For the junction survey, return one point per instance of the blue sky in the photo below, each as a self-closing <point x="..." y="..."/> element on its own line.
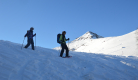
<point x="49" y="17"/>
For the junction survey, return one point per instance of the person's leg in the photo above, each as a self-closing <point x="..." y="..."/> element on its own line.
<point x="32" y="43"/>
<point x="67" y="50"/>
<point x="28" y="43"/>
<point x="62" y="51"/>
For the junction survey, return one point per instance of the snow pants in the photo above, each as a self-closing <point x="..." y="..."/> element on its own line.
<point x="64" y="46"/>
<point x="30" y="41"/>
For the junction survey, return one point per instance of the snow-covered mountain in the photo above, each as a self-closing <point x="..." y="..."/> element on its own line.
<point x="89" y="35"/>
<point x="125" y="45"/>
<point x="45" y="64"/>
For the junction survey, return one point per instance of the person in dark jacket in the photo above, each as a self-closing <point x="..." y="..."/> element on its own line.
<point x="63" y="40"/>
<point x="30" y="36"/>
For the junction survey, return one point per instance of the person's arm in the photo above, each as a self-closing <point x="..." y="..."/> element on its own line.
<point x="26" y="34"/>
<point x="66" y="39"/>
<point x="34" y="35"/>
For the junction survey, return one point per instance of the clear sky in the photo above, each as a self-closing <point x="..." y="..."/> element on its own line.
<point x="49" y="17"/>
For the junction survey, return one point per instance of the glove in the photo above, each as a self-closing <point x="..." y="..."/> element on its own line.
<point x="35" y="34"/>
<point x="68" y="39"/>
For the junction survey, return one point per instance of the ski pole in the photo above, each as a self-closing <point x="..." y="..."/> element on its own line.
<point x="35" y="42"/>
<point x="68" y="46"/>
<point x="22" y="43"/>
<point x="68" y="43"/>
<point x="59" y="51"/>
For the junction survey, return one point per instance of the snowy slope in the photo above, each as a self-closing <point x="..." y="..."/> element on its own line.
<point x="125" y="45"/>
<point x="44" y="64"/>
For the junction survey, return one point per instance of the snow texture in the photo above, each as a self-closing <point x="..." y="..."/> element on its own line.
<point x="45" y="64"/>
<point x="137" y="38"/>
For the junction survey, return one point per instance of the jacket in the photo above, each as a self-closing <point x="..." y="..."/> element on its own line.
<point x="62" y="39"/>
<point x="29" y="34"/>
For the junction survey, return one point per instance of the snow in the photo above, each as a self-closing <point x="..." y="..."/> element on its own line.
<point x="125" y="45"/>
<point x="45" y="64"/>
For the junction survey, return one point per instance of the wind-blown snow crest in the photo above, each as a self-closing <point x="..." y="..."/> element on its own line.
<point x="45" y="64"/>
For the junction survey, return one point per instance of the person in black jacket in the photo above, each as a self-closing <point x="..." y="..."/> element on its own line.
<point x="63" y="40"/>
<point x="30" y="36"/>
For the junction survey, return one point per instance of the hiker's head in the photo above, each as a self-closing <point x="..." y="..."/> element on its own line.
<point x="32" y="28"/>
<point x="64" y="32"/>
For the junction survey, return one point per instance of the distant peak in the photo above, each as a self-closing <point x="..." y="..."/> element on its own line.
<point x="89" y="32"/>
<point x="89" y="35"/>
<point x="93" y="35"/>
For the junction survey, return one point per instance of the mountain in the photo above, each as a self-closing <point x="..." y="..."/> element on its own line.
<point x="89" y="35"/>
<point x="125" y="45"/>
<point x="45" y="64"/>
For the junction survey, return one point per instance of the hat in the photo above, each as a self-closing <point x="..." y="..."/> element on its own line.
<point x="31" y="28"/>
<point x="63" y="32"/>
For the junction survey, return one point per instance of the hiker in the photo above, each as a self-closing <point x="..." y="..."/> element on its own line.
<point x="30" y="36"/>
<point x="62" y="41"/>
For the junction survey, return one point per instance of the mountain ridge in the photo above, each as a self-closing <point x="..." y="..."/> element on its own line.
<point x="109" y="45"/>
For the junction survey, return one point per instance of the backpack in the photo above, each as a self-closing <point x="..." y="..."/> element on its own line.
<point x="58" y="37"/>
<point x="29" y="34"/>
